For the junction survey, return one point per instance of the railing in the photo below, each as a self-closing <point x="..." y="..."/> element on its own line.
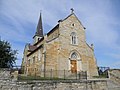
<point x="53" y="75"/>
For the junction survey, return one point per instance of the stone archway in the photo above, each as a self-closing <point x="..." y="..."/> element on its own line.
<point x="73" y="62"/>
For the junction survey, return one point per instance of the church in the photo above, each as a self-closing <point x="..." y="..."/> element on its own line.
<point x="62" y="48"/>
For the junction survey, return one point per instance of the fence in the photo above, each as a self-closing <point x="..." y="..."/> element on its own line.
<point x="53" y="75"/>
<point x="37" y="74"/>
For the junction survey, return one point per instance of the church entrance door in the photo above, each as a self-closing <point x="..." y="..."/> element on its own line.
<point x="73" y="66"/>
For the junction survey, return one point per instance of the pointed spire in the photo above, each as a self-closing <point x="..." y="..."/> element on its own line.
<point x="39" y="31"/>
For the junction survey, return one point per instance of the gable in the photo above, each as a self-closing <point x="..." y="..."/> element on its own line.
<point x="72" y="18"/>
<point x="70" y="25"/>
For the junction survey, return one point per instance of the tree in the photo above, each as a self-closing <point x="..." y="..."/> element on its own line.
<point x="7" y="55"/>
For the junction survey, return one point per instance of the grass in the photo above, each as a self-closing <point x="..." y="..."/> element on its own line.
<point x="37" y="78"/>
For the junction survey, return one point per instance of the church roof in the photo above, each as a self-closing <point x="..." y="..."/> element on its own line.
<point x="31" y="47"/>
<point x="39" y="41"/>
<point x="34" y="49"/>
<point x="57" y="26"/>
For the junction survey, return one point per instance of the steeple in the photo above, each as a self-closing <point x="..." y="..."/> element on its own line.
<point x="39" y="30"/>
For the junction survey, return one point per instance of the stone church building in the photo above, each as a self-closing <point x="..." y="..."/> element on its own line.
<point x="62" y="48"/>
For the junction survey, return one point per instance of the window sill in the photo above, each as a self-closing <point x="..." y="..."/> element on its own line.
<point x="74" y="44"/>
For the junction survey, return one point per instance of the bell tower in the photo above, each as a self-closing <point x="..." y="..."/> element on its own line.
<point x="39" y="31"/>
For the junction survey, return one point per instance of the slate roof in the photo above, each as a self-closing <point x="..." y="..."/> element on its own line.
<point x="31" y="48"/>
<point x="39" y="30"/>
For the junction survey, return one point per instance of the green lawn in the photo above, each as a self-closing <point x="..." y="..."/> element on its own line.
<point x="37" y="78"/>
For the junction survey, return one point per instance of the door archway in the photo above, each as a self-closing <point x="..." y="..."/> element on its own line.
<point x="73" y="61"/>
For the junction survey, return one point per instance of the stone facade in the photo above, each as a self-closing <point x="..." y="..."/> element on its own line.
<point x="62" y="48"/>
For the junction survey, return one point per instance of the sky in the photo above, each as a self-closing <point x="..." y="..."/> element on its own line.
<point x="19" y="18"/>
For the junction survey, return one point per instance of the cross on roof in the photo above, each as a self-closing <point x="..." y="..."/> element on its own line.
<point x="72" y="10"/>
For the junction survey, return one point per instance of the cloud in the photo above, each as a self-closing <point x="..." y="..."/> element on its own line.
<point x="114" y="55"/>
<point x="18" y="21"/>
<point x="116" y="64"/>
<point x="98" y="20"/>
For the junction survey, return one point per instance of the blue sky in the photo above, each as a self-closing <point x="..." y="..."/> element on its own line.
<point x="19" y="18"/>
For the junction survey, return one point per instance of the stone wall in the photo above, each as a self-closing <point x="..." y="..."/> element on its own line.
<point x="8" y="83"/>
<point x="116" y="72"/>
<point x="4" y="74"/>
<point x="54" y="85"/>
<point x="114" y="75"/>
<point x="58" y="85"/>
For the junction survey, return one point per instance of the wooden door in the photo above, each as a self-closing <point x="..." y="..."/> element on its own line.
<point x="73" y="66"/>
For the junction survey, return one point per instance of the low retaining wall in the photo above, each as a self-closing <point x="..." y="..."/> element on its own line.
<point x="9" y="83"/>
<point x="55" y="85"/>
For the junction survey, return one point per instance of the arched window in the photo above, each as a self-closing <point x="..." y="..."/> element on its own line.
<point x="73" y="38"/>
<point x="74" y="55"/>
